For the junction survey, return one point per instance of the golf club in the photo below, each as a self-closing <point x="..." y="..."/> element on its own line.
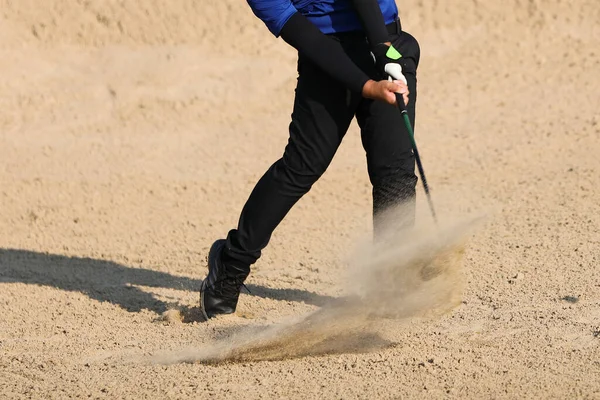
<point x="395" y="71"/>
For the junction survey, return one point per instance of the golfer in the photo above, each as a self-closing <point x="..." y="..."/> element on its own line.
<point x="343" y="46"/>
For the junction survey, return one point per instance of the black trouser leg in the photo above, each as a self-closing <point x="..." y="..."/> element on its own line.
<point x="323" y="110"/>
<point x="321" y="116"/>
<point x="390" y="159"/>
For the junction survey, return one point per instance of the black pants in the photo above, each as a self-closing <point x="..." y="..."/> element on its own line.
<point x="323" y="111"/>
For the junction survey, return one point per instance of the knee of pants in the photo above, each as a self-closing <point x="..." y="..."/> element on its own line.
<point x="395" y="188"/>
<point x="298" y="174"/>
<point x="397" y="172"/>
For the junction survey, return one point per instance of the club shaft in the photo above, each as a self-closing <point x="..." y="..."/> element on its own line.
<point x="411" y="135"/>
<point x="419" y="165"/>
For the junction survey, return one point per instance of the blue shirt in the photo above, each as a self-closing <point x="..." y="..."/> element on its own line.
<point x="330" y="16"/>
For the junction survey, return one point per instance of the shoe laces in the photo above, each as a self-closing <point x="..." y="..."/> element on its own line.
<point x="229" y="286"/>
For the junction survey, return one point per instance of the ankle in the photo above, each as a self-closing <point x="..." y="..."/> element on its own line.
<point x="234" y="267"/>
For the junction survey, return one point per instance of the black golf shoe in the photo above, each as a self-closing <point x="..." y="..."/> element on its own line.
<point x="220" y="289"/>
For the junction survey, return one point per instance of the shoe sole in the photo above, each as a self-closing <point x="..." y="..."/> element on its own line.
<point x="202" y="288"/>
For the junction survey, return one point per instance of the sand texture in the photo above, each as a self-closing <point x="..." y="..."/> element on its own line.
<point x="131" y="133"/>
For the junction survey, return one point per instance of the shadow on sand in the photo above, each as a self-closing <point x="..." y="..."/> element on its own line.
<point x="115" y="283"/>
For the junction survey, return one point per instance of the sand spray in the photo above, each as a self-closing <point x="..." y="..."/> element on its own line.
<point x="403" y="274"/>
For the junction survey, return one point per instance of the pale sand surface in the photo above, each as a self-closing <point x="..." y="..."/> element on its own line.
<point x="131" y="135"/>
